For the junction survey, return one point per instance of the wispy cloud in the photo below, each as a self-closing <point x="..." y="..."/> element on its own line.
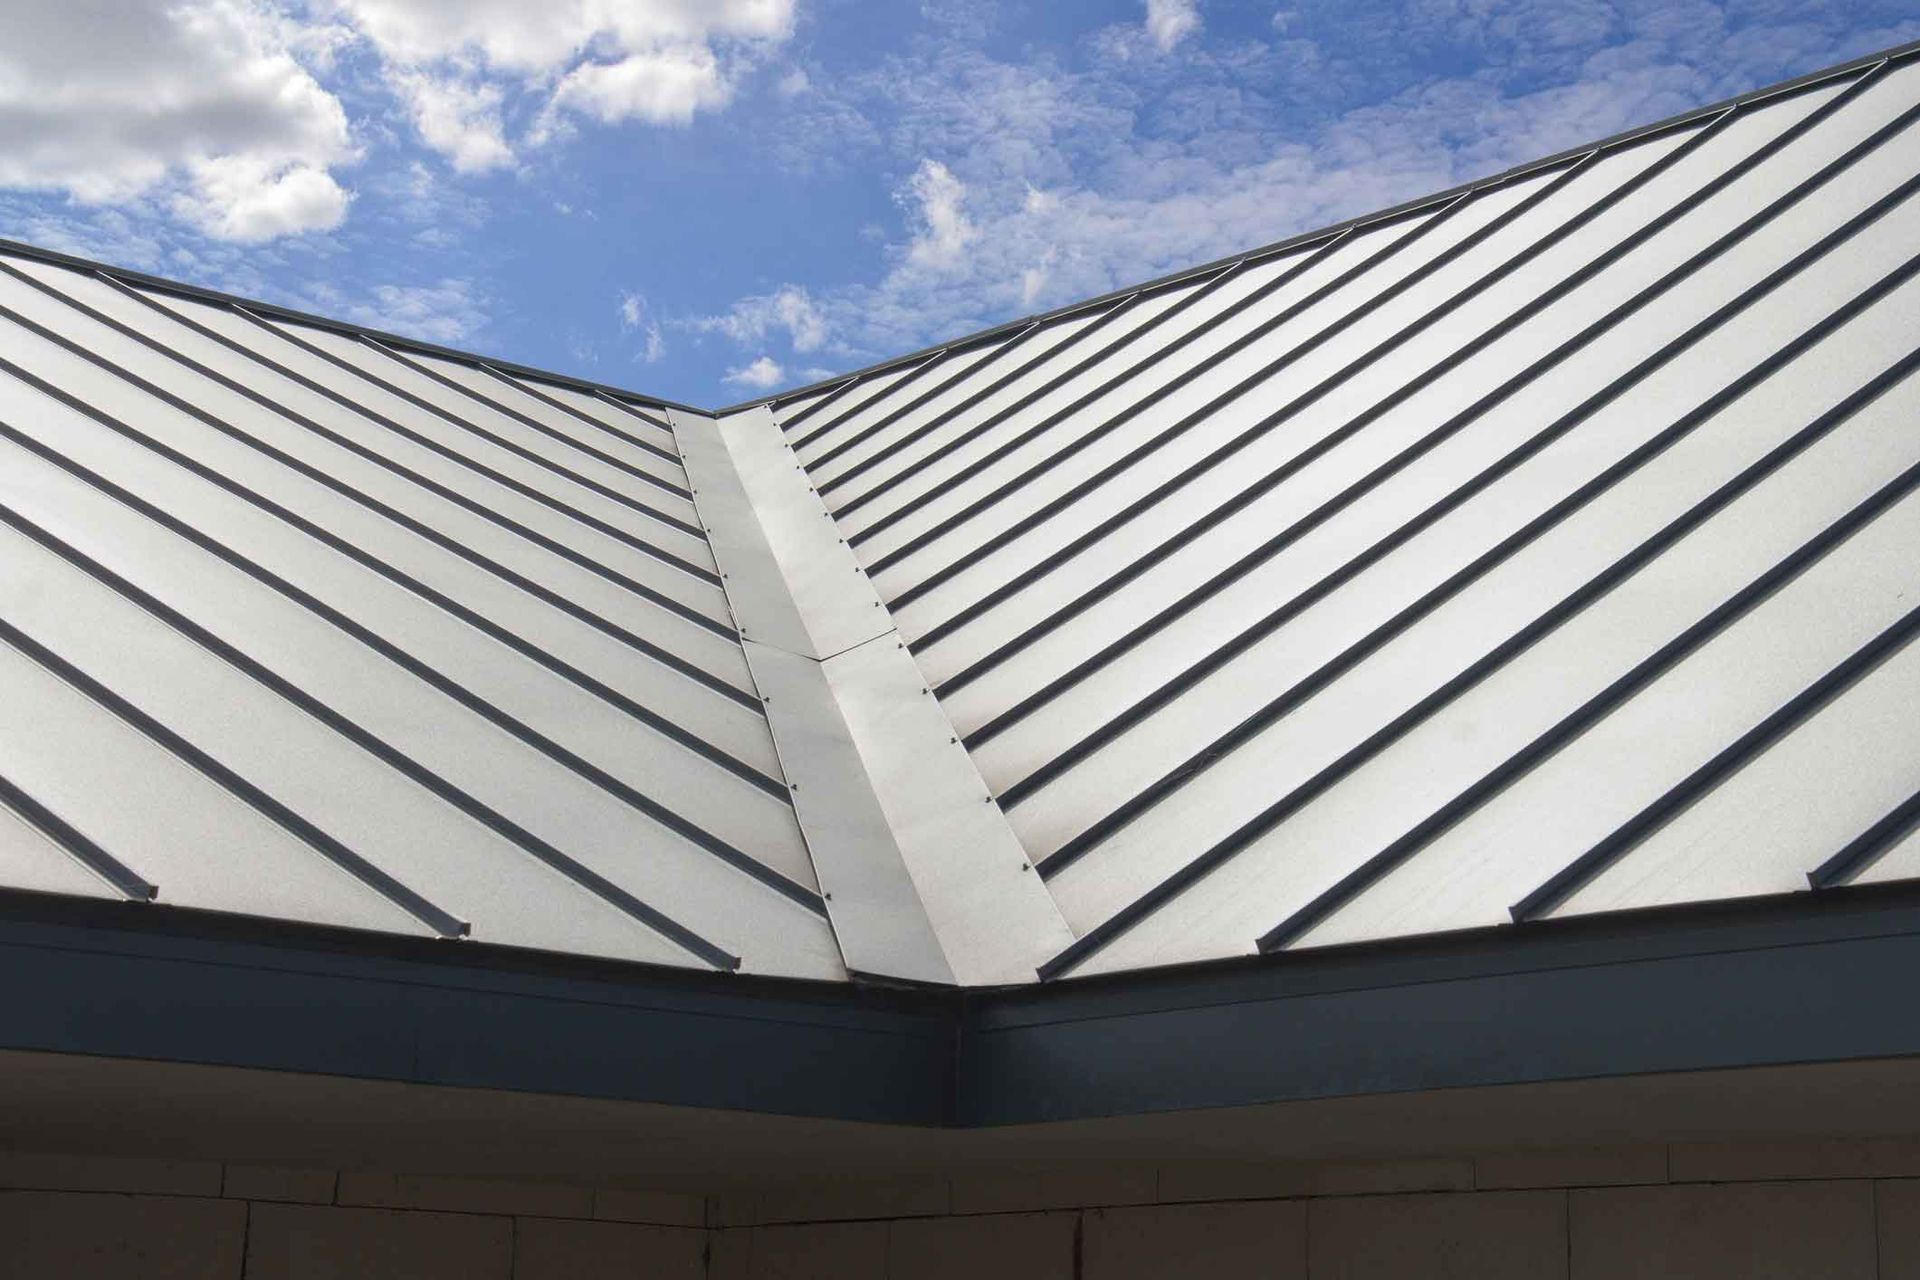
<point x="447" y="311"/>
<point x="636" y="317"/>
<point x="750" y="321"/>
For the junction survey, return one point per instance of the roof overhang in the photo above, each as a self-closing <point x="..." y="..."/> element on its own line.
<point x="1764" y="984"/>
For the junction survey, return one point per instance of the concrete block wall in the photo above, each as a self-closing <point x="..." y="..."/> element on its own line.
<point x="1845" y="1209"/>
<point x="93" y="1218"/>
<point x="1840" y="1208"/>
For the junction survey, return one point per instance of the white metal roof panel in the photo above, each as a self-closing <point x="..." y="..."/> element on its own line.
<point x="1538" y="550"/>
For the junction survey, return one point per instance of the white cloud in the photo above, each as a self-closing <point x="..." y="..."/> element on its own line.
<point x="458" y="118"/>
<point x="1171" y="21"/>
<point x="794" y="83"/>
<point x="201" y="102"/>
<point x="250" y="198"/>
<point x="664" y="86"/>
<point x="763" y="373"/>
<point x="458" y="63"/>
<point x="637" y="317"/>
<point x="789" y="309"/>
<point x="937" y="200"/>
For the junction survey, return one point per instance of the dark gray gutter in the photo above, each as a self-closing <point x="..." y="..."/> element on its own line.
<point x="1799" y="978"/>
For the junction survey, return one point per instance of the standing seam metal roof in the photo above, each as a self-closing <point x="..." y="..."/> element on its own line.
<point x="1540" y="549"/>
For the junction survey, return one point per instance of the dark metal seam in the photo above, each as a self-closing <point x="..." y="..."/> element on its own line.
<point x="199" y="293"/>
<point x="1028" y="435"/>
<point x="387" y="754"/>
<point x="1027" y="577"/>
<point x="1340" y="376"/>
<point x="940" y="358"/>
<point x="1626" y="686"/>
<point x="560" y="406"/>
<point x="383" y="884"/>
<point x="648" y="418"/>
<point x="1521" y="640"/>
<point x="900" y="384"/>
<point x="892" y="416"/>
<point x="1866" y="848"/>
<point x="1195" y="294"/>
<point x="1482" y="564"/>
<point x="821" y="403"/>
<point x="908" y="374"/>
<point x="947" y="415"/>
<point x="427" y="674"/>
<point x="1186" y="275"/>
<point x="492" y="473"/>
<point x="626" y="637"/>
<point x="1327" y="509"/>
<point x="1110" y="424"/>
<point x="625" y="398"/>
<point x="561" y="438"/>
<point x="1784" y="719"/>
<point x="76" y="843"/>
<point x="554" y="546"/>
<point x="1167" y="488"/>
<point x="653" y="719"/>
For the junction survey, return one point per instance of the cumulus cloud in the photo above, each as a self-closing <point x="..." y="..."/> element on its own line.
<point x="763" y="373"/>
<point x="636" y="317"/>
<point x="1171" y="21"/>
<point x="750" y="321"/>
<point x="202" y="103"/>
<point x="456" y="62"/>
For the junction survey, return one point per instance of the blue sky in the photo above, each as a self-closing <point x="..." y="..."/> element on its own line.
<point x="711" y="199"/>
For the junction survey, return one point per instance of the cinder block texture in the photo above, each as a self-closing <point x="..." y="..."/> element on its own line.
<point x="86" y="1236"/>
<point x="1803" y="1159"/>
<point x="1242" y="1181"/>
<point x="33" y="1171"/>
<point x="1759" y="1231"/>
<point x="1013" y="1246"/>
<point x="1252" y="1238"/>
<point x="548" y="1249"/>
<point x="267" y="1182"/>
<point x="1058" y="1187"/>
<point x="834" y="1199"/>
<point x="1570" y="1167"/>
<point x="465" y="1195"/>
<point x="313" y="1242"/>
<point x="661" y="1208"/>
<point x="1897" y="1212"/>
<point x="827" y="1251"/>
<point x="1485" y="1235"/>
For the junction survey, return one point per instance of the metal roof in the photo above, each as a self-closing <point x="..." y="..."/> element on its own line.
<point x="1536" y="550"/>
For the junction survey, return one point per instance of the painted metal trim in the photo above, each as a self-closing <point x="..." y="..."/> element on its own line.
<point x="877" y="912"/>
<point x="795" y="584"/>
<point x="995" y="918"/>
<point x="1674" y="989"/>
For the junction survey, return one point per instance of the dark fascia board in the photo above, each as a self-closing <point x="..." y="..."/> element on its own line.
<point x="1640" y="133"/>
<point x="1799" y="978"/>
<point x="198" y="293"/>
